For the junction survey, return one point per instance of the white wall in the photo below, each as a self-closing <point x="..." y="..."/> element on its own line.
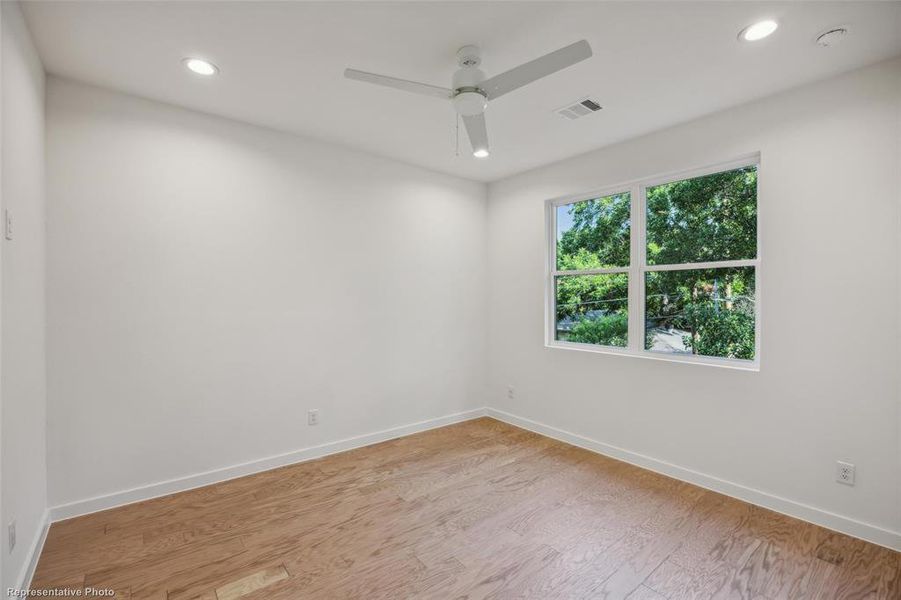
<point x="23" y="390"/>
<point x="828" y="387"/>
<point x="210" y="281"/>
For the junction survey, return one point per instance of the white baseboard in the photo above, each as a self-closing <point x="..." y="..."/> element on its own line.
<point x="34" y="553"/>
<point x="181" y="484"/>
<point x="852" y="527"/>
<point x="859" y="529"/>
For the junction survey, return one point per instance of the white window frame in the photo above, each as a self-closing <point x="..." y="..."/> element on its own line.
<point x="638" y="268"/>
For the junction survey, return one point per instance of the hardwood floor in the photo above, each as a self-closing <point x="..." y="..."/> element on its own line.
<point x="475" y="510"/>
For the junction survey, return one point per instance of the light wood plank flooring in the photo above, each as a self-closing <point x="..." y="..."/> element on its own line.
<point x="475" y="510"/>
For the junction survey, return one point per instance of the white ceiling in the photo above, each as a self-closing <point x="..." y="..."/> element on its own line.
<point x="654" y="65"/>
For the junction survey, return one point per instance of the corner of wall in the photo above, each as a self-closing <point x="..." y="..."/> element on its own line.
<point x="23" y="488"/>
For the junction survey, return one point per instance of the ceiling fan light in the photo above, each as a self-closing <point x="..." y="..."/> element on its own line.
<point x="470" y="102"/>
<point x="481" y="153"/>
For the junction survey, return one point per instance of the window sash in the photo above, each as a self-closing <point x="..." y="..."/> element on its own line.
<point x="638" y="268"/>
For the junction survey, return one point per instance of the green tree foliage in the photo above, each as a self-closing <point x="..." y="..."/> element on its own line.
<point x="703" y="219"/>
<point x="608" y="330"/>
<point x="598" y="238"/>
<point x="708" y="218"/>
<point x="715" y="307"/>
<point x="600" y="228"/>
<point x="717" y="332"/>
<point x="580" y="294"/>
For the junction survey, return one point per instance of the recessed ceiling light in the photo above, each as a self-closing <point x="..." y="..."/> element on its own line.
<point x="481" y="153"/>
<point x="758" y="30"/>
<point x="200" y="66"/>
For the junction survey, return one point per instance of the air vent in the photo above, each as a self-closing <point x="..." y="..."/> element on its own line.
<point x="583" y="107"/>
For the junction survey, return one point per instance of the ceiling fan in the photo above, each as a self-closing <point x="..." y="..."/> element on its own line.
<point x="471" y="91"/>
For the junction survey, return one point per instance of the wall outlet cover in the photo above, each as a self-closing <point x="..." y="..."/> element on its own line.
<point x="844" y="472"/>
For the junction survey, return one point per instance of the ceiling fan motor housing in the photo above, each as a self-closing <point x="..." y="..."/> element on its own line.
<point x="469" y="102"/>
<point x="469" y="99"/>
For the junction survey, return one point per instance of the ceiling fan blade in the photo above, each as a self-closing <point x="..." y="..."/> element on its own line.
<point x="536" y="69"/>
<point x="400" y="84"/>
<point x="477" y="132"/>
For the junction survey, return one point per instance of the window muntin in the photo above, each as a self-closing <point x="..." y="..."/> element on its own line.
<point x="689" y="288"/>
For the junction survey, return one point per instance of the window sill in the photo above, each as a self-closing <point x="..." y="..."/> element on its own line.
<point x="709" y="361"/>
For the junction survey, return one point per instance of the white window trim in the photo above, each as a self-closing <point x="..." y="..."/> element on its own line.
<point x="638" y="268"/>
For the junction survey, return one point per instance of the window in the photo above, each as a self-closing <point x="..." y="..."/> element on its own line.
<point x="660" y="268"/>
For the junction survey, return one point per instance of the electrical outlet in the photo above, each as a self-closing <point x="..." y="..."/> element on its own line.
<point x="11" y="532"/>
<point x="511" y="392"/>
<point x="313" y="417"/>
<point x="844" y="472"/>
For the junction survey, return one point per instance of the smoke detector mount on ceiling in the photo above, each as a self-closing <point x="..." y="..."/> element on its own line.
<point x="832" y="37"/>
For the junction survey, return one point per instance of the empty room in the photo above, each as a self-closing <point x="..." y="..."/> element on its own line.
<point x="450" y="300"/>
